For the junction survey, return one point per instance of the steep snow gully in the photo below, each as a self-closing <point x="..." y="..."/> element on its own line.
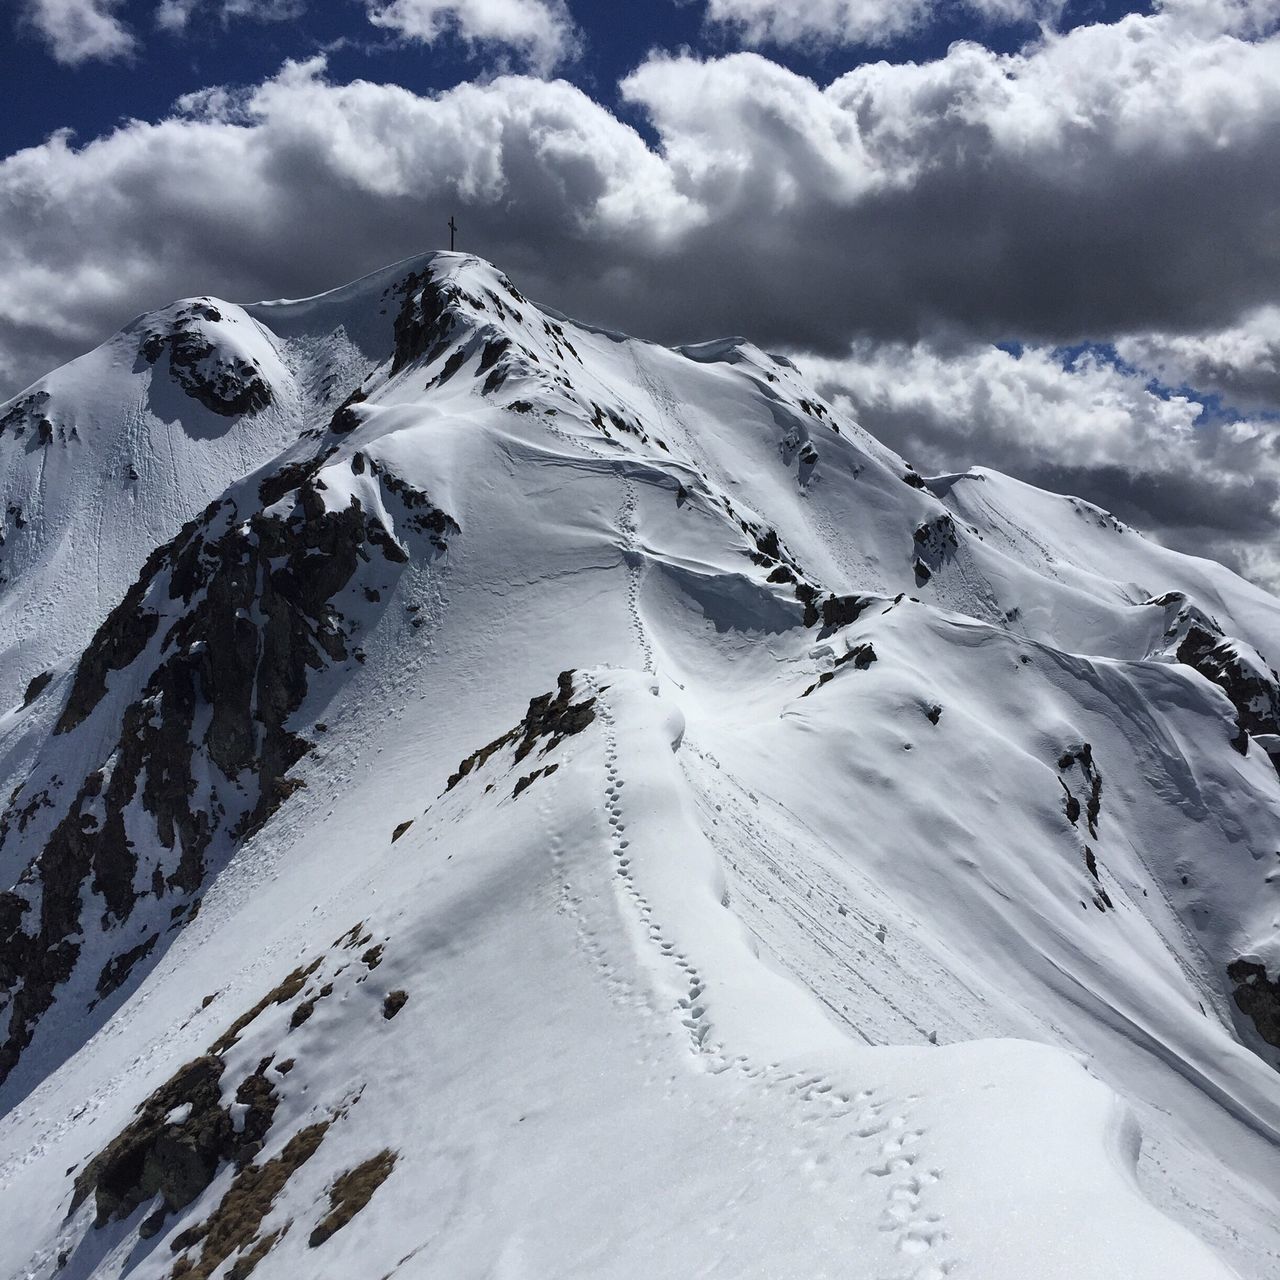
<point x="489" y="797"/>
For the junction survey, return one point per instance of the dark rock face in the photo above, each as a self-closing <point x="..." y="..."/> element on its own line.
<point x="307" y="1007"/>
<point x="117" y="643"/>
<point x="1090" y="810"/>
<point x="345" y="418"/>
<point x="28" y="412"/>
<point x="220" y="380"/>
<point x="832" y="611"/>
<point x="180" y="1139"/>
<point x="493" y="351"/>
<point x="198" y="1122"/>
<point x="424" y="322"/>
<point x="1101" y="898"/>
<point x="15" y="946"/>
<point x="842" y="611"/>
<point x="1092" y="776"/>
<point x="37" y="685"/>
<point x="1257" y="997"/>
<point x="771" y="554"/>
<point x="934" y="540"/>
<point x="1256" y="697"/>
<point x="281" y="993"/>
<point x="291" y="476"/>
<point x="767" y="546"/>
<point x="425" y="517"/>
<point x="250" y="618"/>
<point x="524" y="783"/>
<point x="233" y="1227"/>
<point x="860" y="656"/>
<point x="116" y="971"/>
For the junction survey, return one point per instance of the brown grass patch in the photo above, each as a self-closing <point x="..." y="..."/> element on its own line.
<point x="350" y="1193"/>
<point x="233" y="1225"/>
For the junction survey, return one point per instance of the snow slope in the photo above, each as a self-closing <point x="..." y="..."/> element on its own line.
<point x="106" y="458"/>
<point x="569" y="807"/>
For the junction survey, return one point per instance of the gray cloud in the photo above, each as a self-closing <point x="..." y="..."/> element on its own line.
<point x="1118" y="179"/>
<point x="1115" y="179"/>
<point x="1240" y="363"/>
<point x="1183" y="507"/>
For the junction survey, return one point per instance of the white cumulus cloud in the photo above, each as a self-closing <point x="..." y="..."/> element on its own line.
<point x="77" y="31"/>
<point x="1247" y="18"/>
<point x="1114" y="180"/>
<point x="540" y="32"/>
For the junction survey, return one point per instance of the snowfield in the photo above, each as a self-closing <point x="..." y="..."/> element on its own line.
<point x="490" y="797"/>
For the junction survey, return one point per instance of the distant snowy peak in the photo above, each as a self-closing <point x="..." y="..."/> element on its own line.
<point x="104" y="459"/>
<point x="215" y="354"/>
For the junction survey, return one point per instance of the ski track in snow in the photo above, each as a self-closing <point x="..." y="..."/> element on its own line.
<point x="1018" y="538"/>
<point x="767" y="872"/>
<point x="664" y="402"/>
<point x="778" y="868"/>
<point x="916" y="1232"/>
<point x="972" y="594"/>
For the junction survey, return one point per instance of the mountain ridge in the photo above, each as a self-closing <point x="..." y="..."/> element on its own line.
<point x="688" y="561"/>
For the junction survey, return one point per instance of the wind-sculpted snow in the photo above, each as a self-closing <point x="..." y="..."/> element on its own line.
<point x="768" y="860"/>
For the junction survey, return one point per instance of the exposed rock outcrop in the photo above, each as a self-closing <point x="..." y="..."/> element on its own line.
<point x="1257" y="996"/>
<point x="251" y="614"/>
<point x="550" y="719"/>
<point x="228" y="383"/>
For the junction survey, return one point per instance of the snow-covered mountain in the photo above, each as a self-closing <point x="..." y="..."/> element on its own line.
<point x="490" y="797"/>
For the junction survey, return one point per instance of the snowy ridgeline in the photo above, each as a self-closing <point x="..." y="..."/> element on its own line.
<point x="489" y="797"/>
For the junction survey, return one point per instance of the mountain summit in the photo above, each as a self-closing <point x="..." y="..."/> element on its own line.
<point x="485" y="796"/>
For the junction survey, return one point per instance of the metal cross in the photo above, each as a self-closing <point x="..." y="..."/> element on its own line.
<point x="453" y="231"/>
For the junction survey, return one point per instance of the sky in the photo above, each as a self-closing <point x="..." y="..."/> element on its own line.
<point x="1036" y="235"/>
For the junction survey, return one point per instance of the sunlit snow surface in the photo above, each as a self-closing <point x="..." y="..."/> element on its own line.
<point x="774" y="975"/>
